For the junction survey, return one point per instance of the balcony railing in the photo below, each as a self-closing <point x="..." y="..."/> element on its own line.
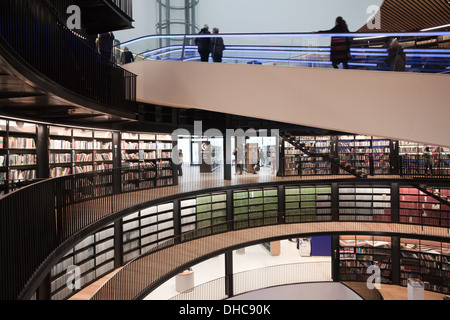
<point x="36" y="36"/>
<point x="425" y="51"/>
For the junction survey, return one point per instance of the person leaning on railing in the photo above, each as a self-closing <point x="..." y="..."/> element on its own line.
<point x="340" y="46"/>
<point x="217" y="46"/>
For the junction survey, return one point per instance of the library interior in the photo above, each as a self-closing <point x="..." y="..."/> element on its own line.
<point x="301" y="183"/>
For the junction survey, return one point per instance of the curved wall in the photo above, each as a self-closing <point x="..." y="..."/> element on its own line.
<point x="404" y="106"/>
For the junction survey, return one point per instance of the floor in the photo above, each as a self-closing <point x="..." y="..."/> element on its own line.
<point x="253" y="257"/>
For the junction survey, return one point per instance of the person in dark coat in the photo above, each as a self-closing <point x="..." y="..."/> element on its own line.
<point x="396" y="57"/>
<point x="105" y="44"/>
<point x="217" y="47"/>
<point x="127" y="56"/>
<point x="203" y="44"/>
<point x="340" y="46"/>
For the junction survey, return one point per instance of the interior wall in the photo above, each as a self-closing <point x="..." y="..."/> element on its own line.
<point x="400" y="105"/>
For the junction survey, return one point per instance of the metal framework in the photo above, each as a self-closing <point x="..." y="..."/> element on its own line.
<point x="170" y="15"/>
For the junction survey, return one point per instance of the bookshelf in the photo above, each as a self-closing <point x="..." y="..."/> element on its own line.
<point x="420" y="208"/>
<point x="165" y="170"/>
<point x="413" y="158"/>
<point x="255" y="207"/>
<point x="74" y="151"/>
<point x="358" y="252"/>
<point x="146" y="229"/>
<point x="208" y="212"/>
<point x="364" y="203"/>
<point x="426" y="260"/>
<point x="3" y="157"/>
<point x="297" y="163"/>
<point x="148" y="158"/>
<point x="94" y="256"/>
<point x="308" y="203"/>
<point x="21" y="153"/>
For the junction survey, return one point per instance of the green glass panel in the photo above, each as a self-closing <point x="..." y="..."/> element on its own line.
<point x="202" y="200"/>
<point x="219" y="213"/>
<point x="311" y="197"/>
<point x="219" y="205"/>
<point x="204" y="216"/>
<point x="256" y="201"/>
<point x="240" y="195"/>
<point x="308" y="190"/>
<point x="292" y="205"/>
<point x="204" y="207"/>
<point x="241" y="210"/>
<point x="289" y="191"/>
<point x="219" y="197"/>
<point x="272" y="206"/>
<point x="238" y="203"/>
<point x="272" y="192"/>
<point x="271" y="200"/>
<point x="323" y="190"/>
<point x="255" y="208"/>
<point x="203" y="224"/>
<point x="292" y="198"/>
<point x="255" y="194"/>
<point x="308" y="204"/>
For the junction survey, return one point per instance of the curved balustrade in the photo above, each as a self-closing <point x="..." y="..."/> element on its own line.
<point x="35" y="40"/>
<point x="59" y="213"/>
<point x="425" y="51"/>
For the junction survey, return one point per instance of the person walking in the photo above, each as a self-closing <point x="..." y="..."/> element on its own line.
<point x="340" y="46"/>
<point x="127" y="56"/>
<point x="105" y="44"/>
<point x="203" y="44"/>
<point x="217" y="46"/>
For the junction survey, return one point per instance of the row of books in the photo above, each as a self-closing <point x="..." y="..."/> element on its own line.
<point x="21" y="159"/>
<point x="57" y="158"/>
<point x="22" y="175"/>
<point x="79" y="145"/>
<point x="21" y="143"/>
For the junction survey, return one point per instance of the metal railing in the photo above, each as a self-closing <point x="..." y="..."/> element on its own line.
<point x="261" y="278"/>
<point x="55" y="212"/>
<point x="32" y="32"/>
<point x="368" y="51"/>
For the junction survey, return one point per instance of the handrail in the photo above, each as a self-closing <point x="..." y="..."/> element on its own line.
<point x="295" y="49"/>
<point x="147" y="272"/>
<point x="74" y="65"/>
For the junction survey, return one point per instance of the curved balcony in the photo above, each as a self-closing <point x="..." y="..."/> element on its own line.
<point x="64" y="76"/>
<point x="65" y="212"/>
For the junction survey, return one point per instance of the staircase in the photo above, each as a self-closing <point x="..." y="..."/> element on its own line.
<point x="347" y="167"/>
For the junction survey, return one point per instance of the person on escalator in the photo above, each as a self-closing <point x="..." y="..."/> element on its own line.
<point x="340" y="46"/>
<point x="203" y="44"/>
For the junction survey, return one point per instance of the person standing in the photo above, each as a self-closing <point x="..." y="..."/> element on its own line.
<point x="340" y="46"/>
<point x="428" y="161"/>
<point x="105" y="44"/>
<point x="203" y="44"/>
<point x="180" y="163"/>
<point x="396" y="57"/>
<point x="127" y="56"/>
<point x="217" y="46"/>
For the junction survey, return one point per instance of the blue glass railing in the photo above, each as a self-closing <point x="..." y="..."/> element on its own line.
<point x="424" y="51"/>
